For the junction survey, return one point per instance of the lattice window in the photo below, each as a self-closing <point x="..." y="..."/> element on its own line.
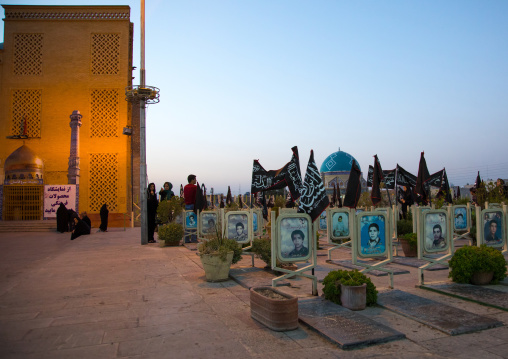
<point x="104" y="109"/>
<point x="103" y="181"/>
<point x="28" y="54"/>
<point x="105" y="54"/>
<point x="26" y="113"/>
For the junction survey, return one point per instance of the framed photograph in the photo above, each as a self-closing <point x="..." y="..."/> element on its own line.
<point x="190" y="220"/>
<point x="294" y="234"/>
<point x="492" y="227"/>
<point x="257" y="221"/>
<point x="339" y="224"/>
<point x="209" y="221"/>
<point x="322" y="221"/>
<point x="372" y="234"/>
<point x="460" y="218"/>
<point x="237" y="226"/>
<point x="435" y="230"/>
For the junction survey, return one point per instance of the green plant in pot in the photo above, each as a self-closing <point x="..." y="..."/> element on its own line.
<point x="467" y="262"/>
<point x="170" y="234"/>
<point x="336" y="280"/>
<point x="217" y="253"/>
<point x="409" y="244"/>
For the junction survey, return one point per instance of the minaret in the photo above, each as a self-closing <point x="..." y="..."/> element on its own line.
<point x="73" y="171"/>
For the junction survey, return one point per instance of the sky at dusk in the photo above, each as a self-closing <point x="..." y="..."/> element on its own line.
<point x="243" y="80"/>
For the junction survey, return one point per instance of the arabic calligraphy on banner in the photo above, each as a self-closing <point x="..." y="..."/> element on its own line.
<point x="56" y="194"/>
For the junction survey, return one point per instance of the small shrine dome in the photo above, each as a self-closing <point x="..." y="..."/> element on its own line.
<point x="339" y="161"/>
<point x="23" y="163"/>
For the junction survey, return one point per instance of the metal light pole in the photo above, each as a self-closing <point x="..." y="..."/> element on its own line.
<point x="145" y="95"/>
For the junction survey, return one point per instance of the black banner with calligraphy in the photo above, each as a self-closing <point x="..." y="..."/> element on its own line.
<point x="313" y="200"/>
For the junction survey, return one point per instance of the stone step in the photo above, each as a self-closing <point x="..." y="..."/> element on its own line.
<point x="28" y="226"/>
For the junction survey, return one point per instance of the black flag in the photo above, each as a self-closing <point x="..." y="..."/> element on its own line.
<point x="389" y="178"/>
<point x="404" y="178"/>
<point x="377" y="177"/>
<point x="240" y="202"/>
<point x="265" y="208"/>
<point x="334" y="196"/>
<point x="354" y="187"/>
<point x="221" y="205"/>
<point x="229" y="199"/>
<point x="200" y="202"/>
<point x="478" y="182"/>
<point x="423" y="176"/>
<point x="181" y="191"/>
<point x="205" y="207"/>
<point x="313" y="200"/>
<point x="289" y="176"/>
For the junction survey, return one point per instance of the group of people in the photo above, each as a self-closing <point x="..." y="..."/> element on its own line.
<point x="67" y="220"/>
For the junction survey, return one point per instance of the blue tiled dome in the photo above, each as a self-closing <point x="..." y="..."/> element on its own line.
<point x="339" y="161"/>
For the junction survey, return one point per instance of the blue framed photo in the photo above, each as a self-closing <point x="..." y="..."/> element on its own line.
<point x="372" y="233"/>
<point x="460" y="218"/>
<point x="339" y="224"/>
<point x="190" y="220"/>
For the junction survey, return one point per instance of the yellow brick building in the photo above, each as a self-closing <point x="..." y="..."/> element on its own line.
<point x="60" y="59"/>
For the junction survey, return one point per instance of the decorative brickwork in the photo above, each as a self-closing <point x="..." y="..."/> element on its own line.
<point x="28" y="54"/>
<point x="26" y="108"/>
<point x="67" y="14"/>
<point x="105" y="54"/>
<point x="104" y="110"/>
<point x="103" y="185"/>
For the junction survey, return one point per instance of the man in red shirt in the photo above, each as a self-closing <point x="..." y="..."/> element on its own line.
<point x="189" y="194"/>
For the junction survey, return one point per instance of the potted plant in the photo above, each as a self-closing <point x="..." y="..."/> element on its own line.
<point x="409" y="244"/>
<point x="273" y="308"/>
<point x="351" y="289"/>
<point x="217" y="253"/>
<point x="169" y="231"/>
<point x="170" y="234"/>
<point x="477" y="265"/>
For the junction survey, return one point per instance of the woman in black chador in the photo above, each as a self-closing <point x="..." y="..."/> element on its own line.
<point x="104" y="218"/>
<point x="152" y="204"/>
<point x="80" y="227"/>
<point x="62" y="219"/>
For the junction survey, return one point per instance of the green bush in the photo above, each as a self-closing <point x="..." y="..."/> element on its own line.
<point x="333" y="280"/>
<point x="469" y="260"/>
<point x="404" y="226"/>
<point x="171" y="233"/>
<point x="167" y="211"/>
<point x="263" y="250"/>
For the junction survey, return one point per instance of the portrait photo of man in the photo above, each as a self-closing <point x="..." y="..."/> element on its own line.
<point x="299" y="250"/>
<point x="460" y="223"/>
<point x="237" y="227"/>
<point x="437" y="234"/>
<point x="191" y="220"/>
<point x="240" y="232"/>
<point x="372" y="236"/>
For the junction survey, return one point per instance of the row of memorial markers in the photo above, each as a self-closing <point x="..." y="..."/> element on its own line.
<point x="371" y="232"/>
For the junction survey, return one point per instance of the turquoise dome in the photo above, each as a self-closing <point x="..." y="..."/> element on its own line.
<point x="339" y="161"/>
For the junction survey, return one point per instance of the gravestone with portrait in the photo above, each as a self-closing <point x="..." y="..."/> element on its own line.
<point x="209" y="223"/>
<point x="339" y="228"/>
<point x="491" y="227"/>
<point x="190" y="226"/>
<point x="293" y="241"/>
<point x="372" y="241"/>
<point x="461" y="217"/>
<point x="434" y="238"/>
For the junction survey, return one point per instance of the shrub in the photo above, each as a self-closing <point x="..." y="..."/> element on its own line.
<point x="171" y="233"/>
<point x="333" y="280"/>
<point x="412" y="240"/>
<point x="469" y="260"/>
<point x="404" y="226"/>
<point x="217" y="243"/>
<point x="167" y="211"/>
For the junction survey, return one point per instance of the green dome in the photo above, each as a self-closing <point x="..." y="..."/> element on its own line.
<point x="339" y="161"/>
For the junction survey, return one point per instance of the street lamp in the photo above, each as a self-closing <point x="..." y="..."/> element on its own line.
<point x="145" y="95"/>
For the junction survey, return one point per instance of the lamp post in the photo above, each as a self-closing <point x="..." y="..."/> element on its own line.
<point x="145" y="95"/>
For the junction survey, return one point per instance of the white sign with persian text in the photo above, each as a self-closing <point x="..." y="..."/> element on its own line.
<point x="56" y="194"/>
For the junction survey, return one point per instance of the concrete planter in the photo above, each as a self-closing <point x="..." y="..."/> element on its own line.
<point x="406" y="248"/>
<point x="482" y="278"/>
<point x="279" y="313"/>
<point x="216" y="270"/>
<point x="354" y="297"/>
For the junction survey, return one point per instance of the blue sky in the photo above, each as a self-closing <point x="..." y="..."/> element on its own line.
<point x="242" y="80"/>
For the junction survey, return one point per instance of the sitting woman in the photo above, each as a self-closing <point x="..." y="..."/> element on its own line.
<point x="80" y="227"/>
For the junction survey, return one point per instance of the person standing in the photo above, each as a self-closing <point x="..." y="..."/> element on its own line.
<point x="152" y="204"/>
<point x="189" y="195"/>
<point x="104" y="212"/>
<point x="62" y="219"/>
<point x="166" y="193"/>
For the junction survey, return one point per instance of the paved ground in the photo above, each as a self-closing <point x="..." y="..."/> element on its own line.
<point x="106" y="296"/>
